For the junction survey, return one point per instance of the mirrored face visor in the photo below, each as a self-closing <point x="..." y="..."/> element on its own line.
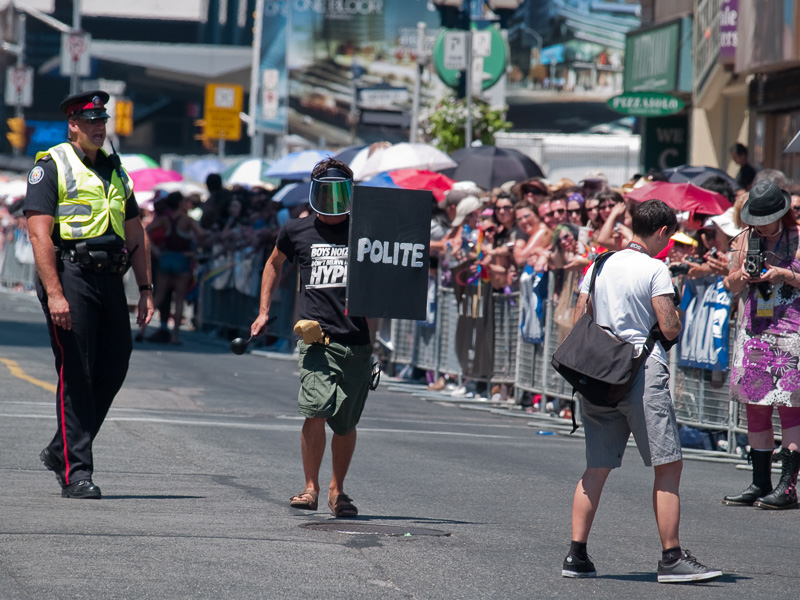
<point x="332" y="194"/>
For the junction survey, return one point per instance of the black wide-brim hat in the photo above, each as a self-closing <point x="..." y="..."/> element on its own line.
<point x="766" y="204"/>
<point x="86" y="105"/>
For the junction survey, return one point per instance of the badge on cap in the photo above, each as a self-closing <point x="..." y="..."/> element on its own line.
<point x="36" y="175"/>
<point x="97" y="102"/>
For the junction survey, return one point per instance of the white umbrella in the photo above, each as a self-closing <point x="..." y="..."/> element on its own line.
<point x="403" y="156"/>
<point x="249" y="172"/>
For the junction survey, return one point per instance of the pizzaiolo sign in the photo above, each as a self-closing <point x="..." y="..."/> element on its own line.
<point x="645" y="104"/>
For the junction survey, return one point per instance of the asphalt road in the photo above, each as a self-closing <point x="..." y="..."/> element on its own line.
<point x="200" y="454"/>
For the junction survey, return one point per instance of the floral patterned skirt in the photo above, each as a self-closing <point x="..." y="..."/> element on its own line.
<point x="767" y="354"/>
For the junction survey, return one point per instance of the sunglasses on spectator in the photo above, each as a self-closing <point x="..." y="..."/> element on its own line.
<point x="796" y="209"/>
<point x="565" y="237"/>
<point x="499" y="208"/>
<point x="558" y="211"/>
<point x="573" y="211"/>
<point x="592" y="208"/>
<point x="606" y="206"/>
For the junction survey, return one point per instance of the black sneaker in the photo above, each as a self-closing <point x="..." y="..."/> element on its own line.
<point x="577" y="568"/>
<point x="685" y="569"/>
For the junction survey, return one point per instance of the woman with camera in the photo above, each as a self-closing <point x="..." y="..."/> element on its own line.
<point x="765" y="267"/>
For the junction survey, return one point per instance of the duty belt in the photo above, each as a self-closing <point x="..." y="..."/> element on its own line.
<point x="97" y="261"/>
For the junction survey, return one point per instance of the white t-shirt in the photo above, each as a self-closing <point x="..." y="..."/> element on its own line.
<point x="623" y="296"/>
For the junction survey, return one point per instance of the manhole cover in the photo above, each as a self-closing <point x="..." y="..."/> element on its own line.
<point x="372" y="529"/>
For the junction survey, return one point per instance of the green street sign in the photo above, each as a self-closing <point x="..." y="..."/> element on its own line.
<point x="646" y="104"/>
<point x="488" y="51"/>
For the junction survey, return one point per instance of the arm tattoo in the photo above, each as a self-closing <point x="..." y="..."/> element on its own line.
<point x="665" y="311"/>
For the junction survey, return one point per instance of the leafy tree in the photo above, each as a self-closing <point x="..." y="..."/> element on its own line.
<point x="444" y="123"/>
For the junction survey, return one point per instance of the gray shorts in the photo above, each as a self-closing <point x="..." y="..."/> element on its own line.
<point x="646" y="411"/>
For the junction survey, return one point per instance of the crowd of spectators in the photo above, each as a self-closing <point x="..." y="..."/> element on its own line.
<point x="494" y="239"/>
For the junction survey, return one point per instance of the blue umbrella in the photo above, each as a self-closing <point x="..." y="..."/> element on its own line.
<point x="296" y="165"/>
<point x="293" y="194"/>
<point x="383" y="180"/>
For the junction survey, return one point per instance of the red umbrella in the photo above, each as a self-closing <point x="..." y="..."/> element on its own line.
<point x="682" y="197"/>
<point x="415" y="179"/>
<point x="146" y="179"/>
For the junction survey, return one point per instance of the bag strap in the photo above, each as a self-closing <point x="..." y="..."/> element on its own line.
<point x="598" y="264"/>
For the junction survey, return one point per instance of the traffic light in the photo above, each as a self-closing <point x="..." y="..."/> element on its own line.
<point x="504" y="9"/>
<point x="454" y="14"/>
<point x="123" y="117"/>
<point x="17" y="132"/>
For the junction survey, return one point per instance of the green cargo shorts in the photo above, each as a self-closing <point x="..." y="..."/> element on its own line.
<point x="334" y="383"/>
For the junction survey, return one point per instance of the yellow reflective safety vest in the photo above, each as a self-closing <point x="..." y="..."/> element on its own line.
<point x="85" y="209"/>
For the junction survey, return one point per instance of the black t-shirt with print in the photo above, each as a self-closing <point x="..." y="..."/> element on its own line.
<point x="321" y="252"/>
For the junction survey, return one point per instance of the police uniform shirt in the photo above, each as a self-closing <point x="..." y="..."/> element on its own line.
<point x="42" y="194"/>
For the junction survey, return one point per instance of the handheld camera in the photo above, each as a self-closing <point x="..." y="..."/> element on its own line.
<point x="753" y="260"/>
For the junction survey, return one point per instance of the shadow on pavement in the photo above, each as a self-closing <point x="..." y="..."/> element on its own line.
<point x="651" y="577"/>
<point x="151" y="497"/>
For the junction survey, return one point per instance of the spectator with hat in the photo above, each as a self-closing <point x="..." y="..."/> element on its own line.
<point x="767" y="353"/>
<point x="85" y="228"/>
<point x="593" y="182"/>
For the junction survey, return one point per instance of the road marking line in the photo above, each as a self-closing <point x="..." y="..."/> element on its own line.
<point x="16" y="371"/>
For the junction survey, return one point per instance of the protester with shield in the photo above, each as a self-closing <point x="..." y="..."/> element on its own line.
<point x="335" y="351"/>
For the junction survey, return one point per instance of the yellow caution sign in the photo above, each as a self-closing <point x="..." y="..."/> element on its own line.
<point x="222" y="108"/>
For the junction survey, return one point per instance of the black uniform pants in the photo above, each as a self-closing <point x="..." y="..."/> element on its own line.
<point x="91" y="362"/>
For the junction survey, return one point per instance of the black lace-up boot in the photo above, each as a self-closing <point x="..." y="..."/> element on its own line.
<point x="762" y="480"/>
<point x="785" y="493"/>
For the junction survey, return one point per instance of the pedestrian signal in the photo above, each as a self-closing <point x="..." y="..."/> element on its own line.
<point x="17" y="132"/>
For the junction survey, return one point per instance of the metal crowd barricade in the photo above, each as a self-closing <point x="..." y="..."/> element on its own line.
<point x="506" y="337"/>
<point x="447" y="318"/>
<point x="433" y="348"/>
<point x="534" y="373"/>
<point x="403" y="334"/>
<point x="13" y="273"/>
<point x="227" y="306"/>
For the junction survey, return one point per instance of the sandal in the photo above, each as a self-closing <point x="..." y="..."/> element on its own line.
<point x="307" y="500"/>
<point x="342" y="506"/>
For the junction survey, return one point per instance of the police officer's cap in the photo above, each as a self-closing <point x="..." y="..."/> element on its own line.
<point x="86" y="105"/>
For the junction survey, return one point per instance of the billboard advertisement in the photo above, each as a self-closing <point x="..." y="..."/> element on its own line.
<point x="339" y="48"/>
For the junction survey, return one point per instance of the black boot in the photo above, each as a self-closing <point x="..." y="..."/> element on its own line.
<point x="785" y="493"/>
<point x="762" y="480"/>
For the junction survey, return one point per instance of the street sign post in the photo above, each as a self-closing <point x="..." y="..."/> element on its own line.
<point x="19" y="86"/>
<point x="75" y="56"/>
<point x="222" y="107"/>
<point x="455" y="50"/>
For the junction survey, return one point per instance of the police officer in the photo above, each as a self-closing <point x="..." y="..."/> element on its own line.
<point x="84" y="225"/>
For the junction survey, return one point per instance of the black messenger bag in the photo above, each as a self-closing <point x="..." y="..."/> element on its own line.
<point x="599" y="365"/>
